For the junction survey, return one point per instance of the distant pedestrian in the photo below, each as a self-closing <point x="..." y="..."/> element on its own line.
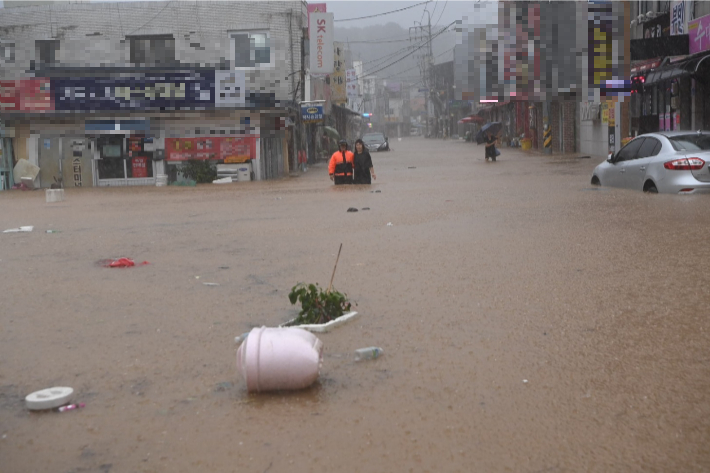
<point x="491" y="142"/>
<point x="340" y="167"/>
<point x="363" y="164"/>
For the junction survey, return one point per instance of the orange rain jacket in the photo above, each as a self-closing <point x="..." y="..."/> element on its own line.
<point x="337" y="158"/>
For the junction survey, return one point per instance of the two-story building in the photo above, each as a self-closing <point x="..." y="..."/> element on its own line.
<point x="115" y="94"/>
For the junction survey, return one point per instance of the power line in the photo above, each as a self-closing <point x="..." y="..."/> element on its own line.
<point x="154" y="17"/>
<point x="442" y="12"/>
<point x="406" y="56"/>
<point x="376" y="41"/>
<point x="386" y="13"/>
<point x="401" y="72"/>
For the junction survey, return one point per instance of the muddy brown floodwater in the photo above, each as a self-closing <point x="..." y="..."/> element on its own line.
<point x="529" y="322"/>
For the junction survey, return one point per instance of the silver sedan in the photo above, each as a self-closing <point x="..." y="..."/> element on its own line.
<point x="670" y="162"/>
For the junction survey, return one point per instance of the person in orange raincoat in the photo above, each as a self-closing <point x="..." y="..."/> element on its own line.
<point x="340" y="167"/>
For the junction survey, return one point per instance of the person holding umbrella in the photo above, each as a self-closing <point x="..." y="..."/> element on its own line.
<point x="491" y="142"/>
<point x="488" y="134"/>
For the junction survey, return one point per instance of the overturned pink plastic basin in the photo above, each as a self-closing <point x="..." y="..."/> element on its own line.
<point x="275" y="359"/>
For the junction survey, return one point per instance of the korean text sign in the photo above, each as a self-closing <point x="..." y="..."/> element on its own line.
<point x="174" y="91"/>
<point x="699" y="34"/>
<point x="312" y="113"/>
<point x="321" y="43"/>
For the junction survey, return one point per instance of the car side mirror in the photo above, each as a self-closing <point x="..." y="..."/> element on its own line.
<point x="610" y="158"/>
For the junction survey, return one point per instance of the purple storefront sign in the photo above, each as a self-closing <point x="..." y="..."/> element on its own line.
<point x="699" y="34"/>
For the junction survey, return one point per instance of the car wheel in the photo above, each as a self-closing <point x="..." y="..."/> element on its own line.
<point x="650" y="187"/>
<point x="596" y="181"/>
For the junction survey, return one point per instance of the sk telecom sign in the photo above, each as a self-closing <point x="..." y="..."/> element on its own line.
<point x="321" y="43"/>
<point x="312" y="113"/>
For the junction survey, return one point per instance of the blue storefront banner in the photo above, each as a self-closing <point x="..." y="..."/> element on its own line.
<point x="312" y="113"/>
<point x="170" y="91"/>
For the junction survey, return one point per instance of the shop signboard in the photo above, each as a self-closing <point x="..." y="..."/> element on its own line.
<point x="657" y="27"/>
<point x="76" y="171"/>
<point x="679" y="20"/>
<point x="26" y="95"/>
<point x="337" y="78"/>
<point x="172" y="91"/>
<point x="139" y="166"/>
<point x="315" y="8"/>
<point x="699" y="34"/>
<point x="351" y="83"/>
<point x="229" y="89"/>
<point x="312" y="113"/>
<point x="600" y="29"/>
<point x="228" y="149"/>
<point x="321" y="43"/>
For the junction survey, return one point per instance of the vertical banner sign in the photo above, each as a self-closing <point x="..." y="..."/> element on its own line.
<point x="321" y="43"/>
<point x="76" y="170"/>
<point x="679" y="20"/>
<point x="351" y="83"/>
<point x="337" y="78"/>
<point x="600" y="43"/>
<point x="314" y="8"/>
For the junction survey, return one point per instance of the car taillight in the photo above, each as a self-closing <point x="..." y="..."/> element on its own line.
<point x="685" y="164"/>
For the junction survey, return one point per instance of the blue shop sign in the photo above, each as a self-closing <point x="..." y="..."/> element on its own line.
<point x="171" y="91"/>
<point x="312" y="113"/>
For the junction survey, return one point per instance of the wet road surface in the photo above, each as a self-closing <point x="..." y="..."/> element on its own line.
<point x="530" y="323"/>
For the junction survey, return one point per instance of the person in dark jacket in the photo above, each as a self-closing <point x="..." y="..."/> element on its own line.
<point x="363" y="164"/>
<point x="491" y="142"/>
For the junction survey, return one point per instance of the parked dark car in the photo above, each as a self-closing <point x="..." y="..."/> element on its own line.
<point x="376" y="142"/>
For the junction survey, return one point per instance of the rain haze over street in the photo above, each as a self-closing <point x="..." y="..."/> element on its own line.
<point x="529" y="320"/>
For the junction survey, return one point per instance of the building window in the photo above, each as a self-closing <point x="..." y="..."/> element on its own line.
<point x="7" y="52"/>
<point x="153" y="50"/>
<point x="251" y="49"/>
<point x="46" y="51"/>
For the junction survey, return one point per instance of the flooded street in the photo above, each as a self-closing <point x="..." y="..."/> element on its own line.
<point x="529" y="322"/>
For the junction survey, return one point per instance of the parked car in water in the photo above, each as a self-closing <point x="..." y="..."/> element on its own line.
<point x="673" y="162"/>
<point x="376" y="142"/>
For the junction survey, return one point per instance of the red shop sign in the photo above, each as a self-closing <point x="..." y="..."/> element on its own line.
<point x="139" y="166"/>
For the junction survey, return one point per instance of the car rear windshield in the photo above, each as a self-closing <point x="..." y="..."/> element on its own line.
<point x="693" y="142"/>
<point x="374" y="137"/>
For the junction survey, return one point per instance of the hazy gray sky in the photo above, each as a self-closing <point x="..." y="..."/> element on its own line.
<point x="442" y="12"/>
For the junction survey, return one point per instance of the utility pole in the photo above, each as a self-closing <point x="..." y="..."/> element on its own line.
<point x="427" y="61"/>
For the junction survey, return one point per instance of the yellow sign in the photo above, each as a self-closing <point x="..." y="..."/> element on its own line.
<point x="236" y="159"/>
<point x="605" y="112"/>
<point x="603" y="56"/>
<point x="337" y="78"/>
<point x="612" y="114"/>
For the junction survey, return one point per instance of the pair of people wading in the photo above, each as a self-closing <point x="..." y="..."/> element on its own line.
<point x="346" y="167"/>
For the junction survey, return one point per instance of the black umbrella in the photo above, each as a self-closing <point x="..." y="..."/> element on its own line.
<point x="492" y="128"/>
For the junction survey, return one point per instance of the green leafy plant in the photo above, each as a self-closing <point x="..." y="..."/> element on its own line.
<point x="317" y="306"/>
<point x="199" y="170"/>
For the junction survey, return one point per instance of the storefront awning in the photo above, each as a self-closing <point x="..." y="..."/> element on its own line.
<point x="681" y="68"/>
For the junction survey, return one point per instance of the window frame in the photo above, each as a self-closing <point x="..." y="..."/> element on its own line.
<point x="7" y="46"/>
<point x="655" y="141"/>
<point x="157" y="37"/>
<point x="233" y="50"/>
<point x="640" y="139"/>
<point x="38" y="50"/>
